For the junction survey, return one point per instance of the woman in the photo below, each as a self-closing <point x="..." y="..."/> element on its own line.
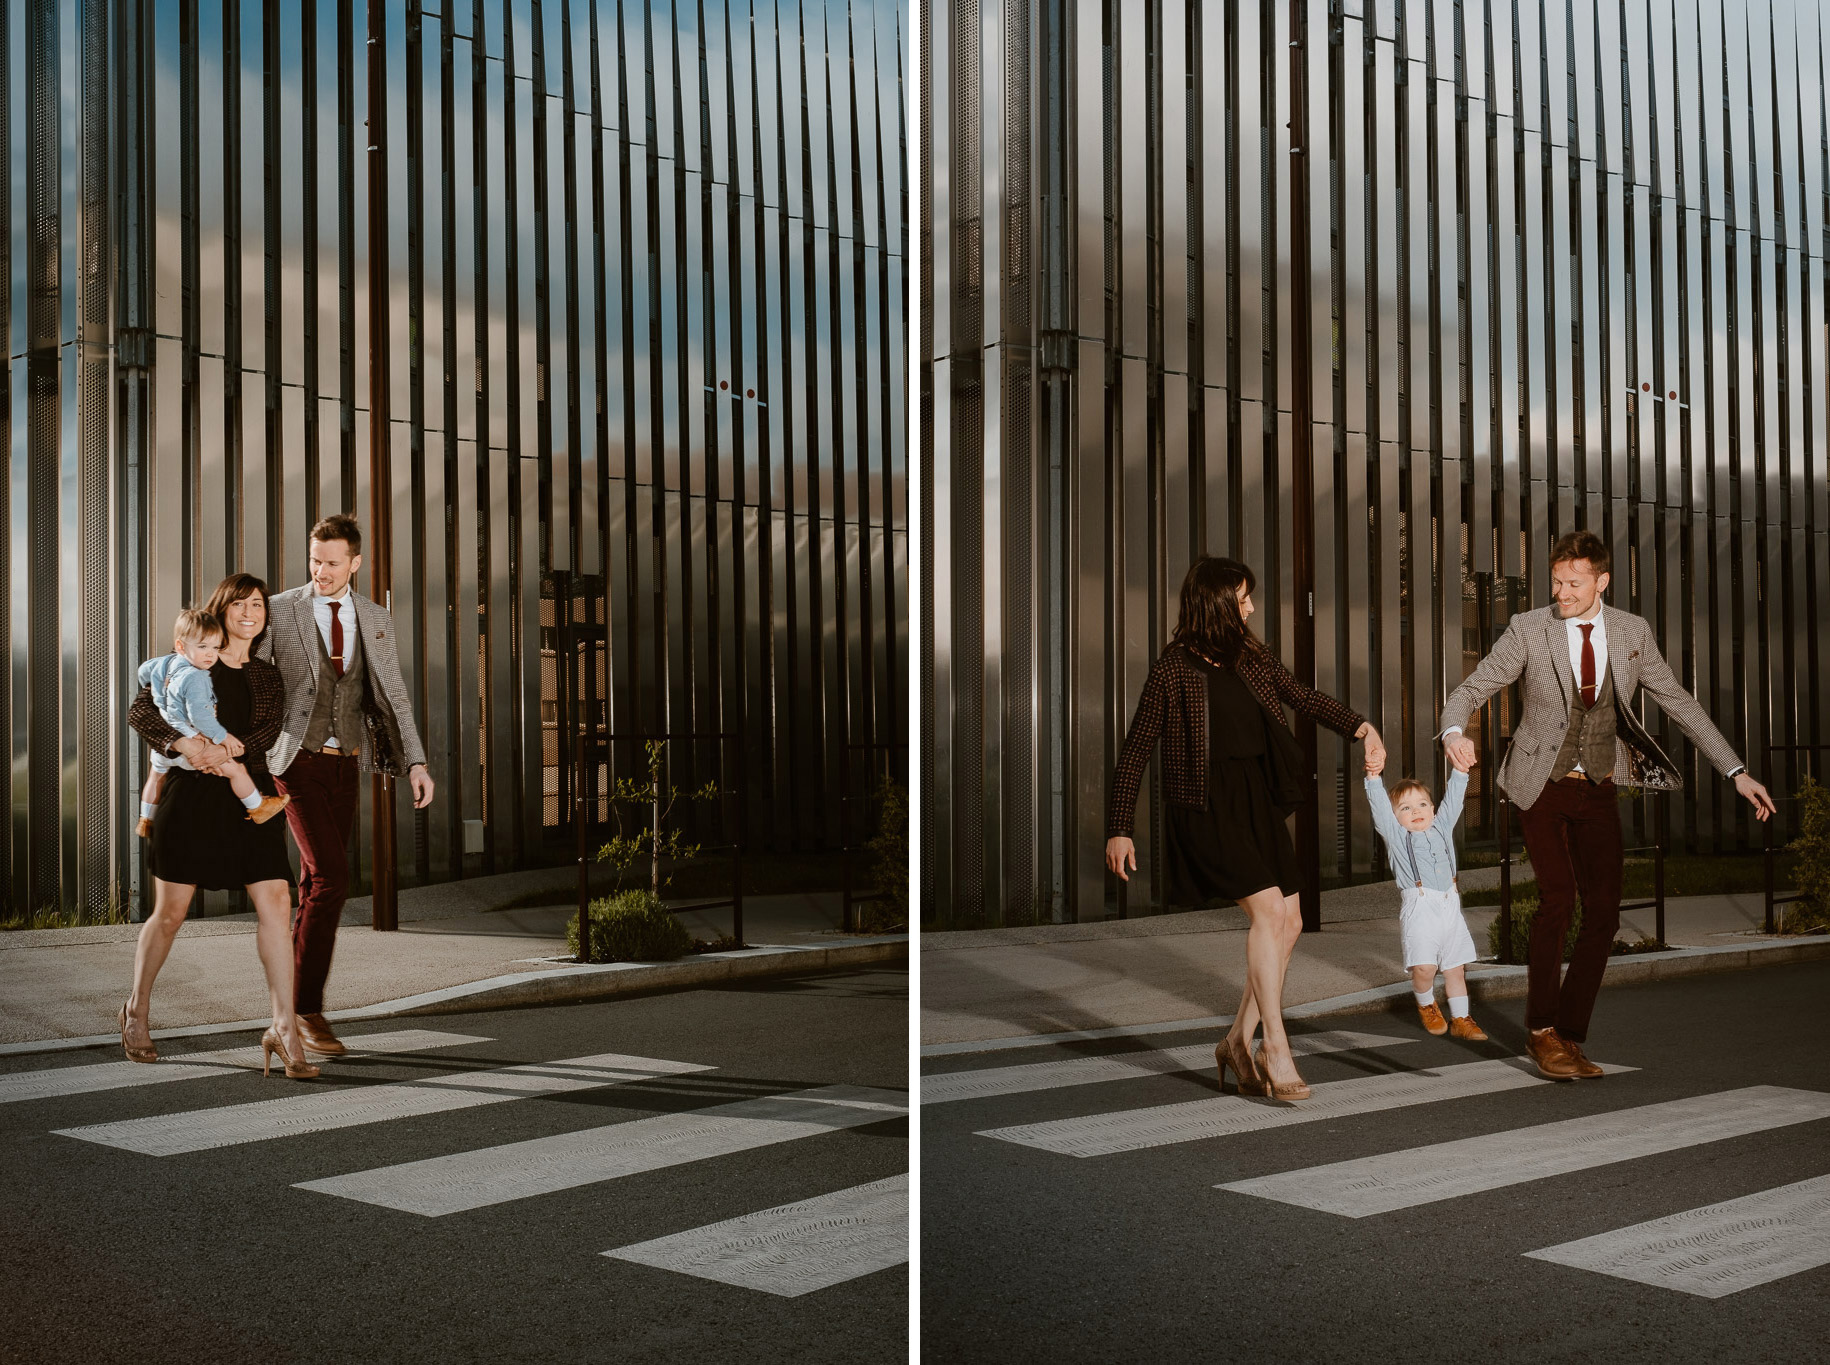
<point x="201" y="835"/>
<point x="1232" y="773"/>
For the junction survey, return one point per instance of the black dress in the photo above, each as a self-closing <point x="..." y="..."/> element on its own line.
<point x="1240" y="843"/>
<point x="201" y="834"/>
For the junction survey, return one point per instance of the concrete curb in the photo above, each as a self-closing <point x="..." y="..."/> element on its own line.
<point x="560" y="986"/>
<point x="1487" y="982"/>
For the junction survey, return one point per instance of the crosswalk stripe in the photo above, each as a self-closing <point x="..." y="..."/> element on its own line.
<point x="793" y="1249"/>
<point x="81" y="1080"/>
<point x="200" y="1129"/>
<point x="950" y="1086"/>
<point x="1448" y="1170"/>
<point x="520" y="1170"/>
<point x="1717" y="1250"/>
<point x="1130" y="1130"/>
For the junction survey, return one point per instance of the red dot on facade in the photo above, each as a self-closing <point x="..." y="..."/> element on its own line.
<point x="1645" y="388"/>
<point x="723" y="385"/>
<point x="749" y="393"/>
<point x="1672" y="394"/>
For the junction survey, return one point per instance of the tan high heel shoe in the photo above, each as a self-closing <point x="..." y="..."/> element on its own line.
<point x="1230" y="1052"/>
<point x="1281" y="1090"/>
<point x="300" y="1070"/>
<point x="135" y="1053"/>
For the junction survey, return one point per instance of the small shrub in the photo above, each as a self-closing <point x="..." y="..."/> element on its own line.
<point x="1812" y="847"/>
<point x="889" y="849"/>
<point x="632" y="926"/>
<point x="1524" y="907"/>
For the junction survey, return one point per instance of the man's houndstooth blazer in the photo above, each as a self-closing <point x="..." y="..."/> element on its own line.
<point x="292" y="643"/>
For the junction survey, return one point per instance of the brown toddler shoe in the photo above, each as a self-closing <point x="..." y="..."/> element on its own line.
<point x="269" y="807"/>
<point x="144" y="828"/>
<point x="1465" y="1028"/>
<point x="1432" y="1019"/>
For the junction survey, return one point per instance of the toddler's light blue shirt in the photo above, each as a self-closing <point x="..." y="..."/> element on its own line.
<point x="184" y="695"/>
<point x="1426" y="856"/>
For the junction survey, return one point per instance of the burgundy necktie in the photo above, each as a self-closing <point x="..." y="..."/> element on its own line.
<point x="336" y="645"/>
<point x="1588" y="664"/>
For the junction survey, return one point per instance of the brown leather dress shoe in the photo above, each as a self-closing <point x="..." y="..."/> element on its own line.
<point x="318" y="1037"/>
<point x="1585" y="1069"/>
<point x="1464" y="1027"/>
<point x="1549" y="1053"/>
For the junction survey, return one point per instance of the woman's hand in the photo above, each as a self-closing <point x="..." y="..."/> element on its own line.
<point x="1120" y="853"/>
<point x="1375" y="748"/>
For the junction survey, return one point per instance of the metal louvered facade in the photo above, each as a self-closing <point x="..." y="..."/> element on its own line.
<point x="1467" y="273"/>
<point x="645" y="268"/>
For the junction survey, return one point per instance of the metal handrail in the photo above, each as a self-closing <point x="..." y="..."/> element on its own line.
<point x="1768" y="852"/>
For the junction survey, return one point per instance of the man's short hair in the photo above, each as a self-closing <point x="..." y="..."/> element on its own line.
<point x="194" y="626"/>
<point x="1582" y="545"/>
<point x="340" y="526"/>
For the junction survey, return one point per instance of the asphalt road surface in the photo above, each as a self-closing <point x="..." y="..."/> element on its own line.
<point x="1072" y="1207"/>
<point x="450" y="1195"/>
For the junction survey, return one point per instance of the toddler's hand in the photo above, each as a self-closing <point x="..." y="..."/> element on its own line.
<point x="235" y="747"/>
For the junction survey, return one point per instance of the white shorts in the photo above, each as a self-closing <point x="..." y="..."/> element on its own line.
<point x="162" y="764"/>
<point x="1431" y="929"/>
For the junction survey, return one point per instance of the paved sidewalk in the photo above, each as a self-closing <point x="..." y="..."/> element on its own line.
<point x="997" y="984"/>
<point x="453" y="949"/>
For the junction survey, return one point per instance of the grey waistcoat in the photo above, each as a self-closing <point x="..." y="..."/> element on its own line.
<point x="1590" y="738"/>
<point x="338" y="708"/>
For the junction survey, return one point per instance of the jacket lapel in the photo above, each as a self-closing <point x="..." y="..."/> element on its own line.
<point x="305" y="618"/>
<point x="1556" y="640"/>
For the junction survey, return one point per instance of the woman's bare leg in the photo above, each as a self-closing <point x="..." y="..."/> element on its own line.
<point x="273" y="940"/>
<point x="171" y="902"/>
<point x="1246" y="1019"/>
<point x="1268" y="945"/>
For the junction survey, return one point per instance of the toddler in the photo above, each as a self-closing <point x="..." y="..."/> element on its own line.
<point x="181" y="689"/>
<point x="1420" y="844"/>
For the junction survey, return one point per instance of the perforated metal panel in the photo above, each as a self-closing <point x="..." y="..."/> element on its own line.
<point x="1564" y="273"/>
<point x="637" y="272"/>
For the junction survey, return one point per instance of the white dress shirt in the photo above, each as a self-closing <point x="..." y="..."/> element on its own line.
<point x="320" y="609"/>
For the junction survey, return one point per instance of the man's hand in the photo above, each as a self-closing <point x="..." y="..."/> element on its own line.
<point x="1461" y="751"/>
<point x="204" y="756"/>
<point x="1755" y="793"/>
<point x="1375" y="748"/>
<point x="421" y="781"/>
<point x="1120" y="851"/>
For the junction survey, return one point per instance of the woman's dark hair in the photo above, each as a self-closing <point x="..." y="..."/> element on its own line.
<point x="1210" y="622"/>
<point x="233" y="589"/>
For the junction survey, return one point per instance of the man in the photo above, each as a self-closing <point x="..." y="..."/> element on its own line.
<point x="347" y="712"/>
<point x="1580" y="660"/>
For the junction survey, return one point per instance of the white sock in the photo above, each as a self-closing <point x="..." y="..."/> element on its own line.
<point x="252" y="800"/>
<point x="146" y="810"/>
<point x="1458" y="1006"/>
<point x="1425" y="997"/>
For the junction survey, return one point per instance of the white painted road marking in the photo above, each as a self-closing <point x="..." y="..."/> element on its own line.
<point x="950" y="1086"/>
<point x="1716" y="1250"/>
<point x="1447" y="1170"/>
<point x="796" y="1248"/>
<point x="1129" y="1130"/>
<point x="81" y="1080"/>
<point x="520" y="1170"/>
<point x="199" y="1129"/>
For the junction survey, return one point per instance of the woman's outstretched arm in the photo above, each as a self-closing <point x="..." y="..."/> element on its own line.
<point x="1318" y="706"/>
